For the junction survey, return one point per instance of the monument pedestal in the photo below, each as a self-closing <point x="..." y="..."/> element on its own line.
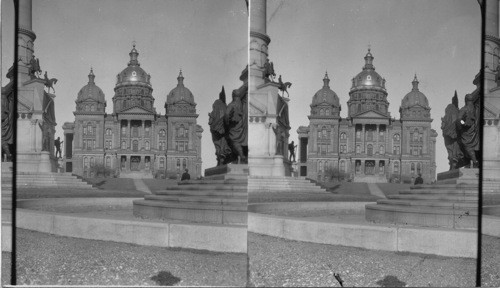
<point x="220" y="198"/>
<point x="7" y="206"/>
<point x="450" y="203"/>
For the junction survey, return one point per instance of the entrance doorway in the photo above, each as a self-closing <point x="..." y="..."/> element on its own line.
<point x="370" y="167"/>
<point x="134" y="163"/>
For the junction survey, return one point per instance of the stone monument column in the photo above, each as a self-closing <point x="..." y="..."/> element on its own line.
<point x="34" y="104"/>
<point x="264" y="100"/>
<point x="491" y="131"/>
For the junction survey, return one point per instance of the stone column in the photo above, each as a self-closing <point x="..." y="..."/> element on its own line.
<point x="26" y="38"/>
<point x="363" y="138"/>
<point x="492" y="44"/>
<point x="259" y="42"/>
<point x="129" y="133"/>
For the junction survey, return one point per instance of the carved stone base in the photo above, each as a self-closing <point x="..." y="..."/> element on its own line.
<point x="459" y="176"/>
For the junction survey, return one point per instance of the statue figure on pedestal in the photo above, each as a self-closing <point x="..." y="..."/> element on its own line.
<point x="449" y="128"/>
<point x="269" y="74"/>
<point x="216" y="123"/>
<point x="283" y="86"/>
<point x="469" y="121"/>
<point x="34" y="69"/>
<point x="49" y="83"/>
<point x="45" y="136"/>
<point x="7" y="126"/>
<point x="235" y="120"/>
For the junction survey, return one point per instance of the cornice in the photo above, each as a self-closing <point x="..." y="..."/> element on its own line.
<point x="260" y="36"/>
<point x="27" y="32"/>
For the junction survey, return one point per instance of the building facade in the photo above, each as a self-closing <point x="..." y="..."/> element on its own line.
<point x="368" y="145"/>
<point x="134" y="140"/>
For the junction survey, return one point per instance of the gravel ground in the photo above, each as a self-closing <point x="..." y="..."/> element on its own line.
<point x="490" y="261"/>
<point x="44" y="259"/>
<point x="279" y="262"/>
<point x="6" y="266"/>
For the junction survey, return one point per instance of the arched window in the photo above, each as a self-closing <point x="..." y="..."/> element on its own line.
<point x="109" y="132"/>
<point x="147" y="145"/>
<point x="381" y="150"/>
<point x="85" y="163"/>
<point x="321" y="112"/>
<point x="124" y="144"/>
<point x="396" y="137"/>
<point x="358" y="149"/>
<point x="92" y="108"/>
<point x="84" y="144"/>
<point x="320" y="166"/>
<point x="181" y="132"/>
<point x="92" y="161"/>
<point x="162" y="133"/>
<point x="162" y="163"/>
<point x="135" y="146"/>
<point x="184" y="163"/>
<point x="358" y="134"/>
<point x="418" y="167"/>
<point x="412" y="168"/>
<point x="396" y="167"/>
<point x="327" y="112"/>
<point x="89" y="129"/>
<point x="415" y="135"/>
<point x="359" y="108"/>
<point x="343" y="136"/>
<point x="342" y="166"/>
<point x="146" y="131"/>
<point x="87" y="107"/>
<point x="178" y="164"/>
<point x="370" y="149"/>
<point x="323" y="131"/>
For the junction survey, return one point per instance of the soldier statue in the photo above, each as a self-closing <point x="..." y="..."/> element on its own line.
<point x="269" y="74"/>
<point x="216" y="123"/>
<point x="34" y="69"/>
<point x="469" y="123"/>
<point x="450" y="135"/>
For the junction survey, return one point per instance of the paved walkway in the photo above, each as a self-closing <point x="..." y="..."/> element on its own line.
<point x="375" y="190"/>
<point x="139" y="185"/>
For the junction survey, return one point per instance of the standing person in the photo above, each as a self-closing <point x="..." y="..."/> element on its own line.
<point x="419" y="180"/>
<point x="291" y="148"/>
<point x="185" y="175"/>
<point x="58" y="143"/>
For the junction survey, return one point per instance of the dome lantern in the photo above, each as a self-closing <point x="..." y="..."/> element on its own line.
<point x="133" y="57"/>
<point x="91" y="76"/>
<point x="180" y="79"/>
<point x="326" y="80"/>
<point x="369" y="60"/>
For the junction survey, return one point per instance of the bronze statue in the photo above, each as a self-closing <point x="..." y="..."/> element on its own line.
<point x="449" y="128"/>
<point x="235" y="120"/>
<point x="269" y="71"/>
<point x="216" y="123"/>
<point x="283" y="86"/>
<point x="49" y="83"/>
<point x="469" y="123"/>
<point x="34" y="69"/>
<point x="7" y="126"/>
<point x="45" y="136"/>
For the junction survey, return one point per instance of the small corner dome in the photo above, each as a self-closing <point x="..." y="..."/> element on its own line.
<point x="180" y="92"/>
<point x="133" y="73"/>
<point x="325" y="95"/>
<point x="415" y="97"/>
<point x="91" y="91"/>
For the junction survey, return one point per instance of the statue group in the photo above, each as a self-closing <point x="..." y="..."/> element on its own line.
<point x="461" y="132"/>
<point x="229" y="127"/>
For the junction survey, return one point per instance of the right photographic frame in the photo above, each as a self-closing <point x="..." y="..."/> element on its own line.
<point x="365" y="148"/>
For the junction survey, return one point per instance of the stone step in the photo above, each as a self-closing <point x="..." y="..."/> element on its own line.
<point x="460" y="205"/>
<point x="451" y="198"/>
<point x="200" y="213"/>
<point x="58" y="186"/>
<point x="422" y="216"/>
<point x="207" y="193"/>
<point x="458" y="192"/>
<point x="58" y="177"/>
<point x="208" y="187"/>
<point x="445" y="186"/>
<point x="199" y="199"/>
<point x="212" y="182"/>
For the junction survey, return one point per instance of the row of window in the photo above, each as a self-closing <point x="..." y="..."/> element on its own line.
<point x="415" y="168"/>
<point x="181" y="146"/>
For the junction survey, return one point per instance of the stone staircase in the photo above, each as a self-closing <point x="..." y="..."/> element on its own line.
<point x="50" y="180"/>
<point x="6" y="206"/>
<point x="370" y="178"/>
<point x="217" y="199"/>
<point x="451" y="203"/>
<point x="136" y="175"/>
<point x="281" y="184"/>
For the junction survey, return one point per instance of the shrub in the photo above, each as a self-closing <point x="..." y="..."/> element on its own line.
<point x="335" y="174"/>
<point x="100" y="170"/>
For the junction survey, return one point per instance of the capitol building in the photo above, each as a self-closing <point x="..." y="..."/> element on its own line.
<point x="134" y="141"/>
<point x="369" y="145"/>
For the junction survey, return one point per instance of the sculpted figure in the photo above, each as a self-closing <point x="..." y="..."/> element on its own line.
<point x="449" y="128"/>
<point x="45" y="136"/>
<point x="236" y="122"/>
<point x="34" y="67"/>
<point x="7" y="126"/>
<point x="49" y="83"/>
<point x="283" y="86"/>
<point x="469" y="121"/>
<point x="216" y="123"/>
<point x="269" y="71"/>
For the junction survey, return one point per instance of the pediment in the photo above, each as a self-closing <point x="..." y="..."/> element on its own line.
<point x="371" y="114"/>
<point x="136" y="110"/>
